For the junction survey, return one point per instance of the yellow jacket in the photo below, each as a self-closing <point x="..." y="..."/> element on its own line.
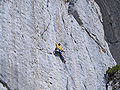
<point x="58" y="47"/>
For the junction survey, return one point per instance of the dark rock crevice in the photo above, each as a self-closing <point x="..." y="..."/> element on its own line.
<point x="67" y="85"/>
<point x="45" y="30"/>
<point x="72" y="11"/>
<point x="76" y="16"/>
<point x="94" y="37"/>
<point x="4" y="84"/>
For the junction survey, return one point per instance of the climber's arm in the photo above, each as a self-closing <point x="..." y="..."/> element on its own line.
<point x="62" y="50"/>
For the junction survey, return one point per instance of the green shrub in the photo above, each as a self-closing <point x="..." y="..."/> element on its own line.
<point x="113" y="70"/>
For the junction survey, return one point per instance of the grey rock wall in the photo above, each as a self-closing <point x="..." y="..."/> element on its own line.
<point x="111" y="17"/>
<point x="29" y="30"/>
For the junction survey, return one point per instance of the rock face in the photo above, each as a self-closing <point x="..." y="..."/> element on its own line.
<point x="28" y="32"/>
<point x="111" y="21"/>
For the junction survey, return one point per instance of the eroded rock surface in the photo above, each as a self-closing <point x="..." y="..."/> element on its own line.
<point x="28" y="32"/>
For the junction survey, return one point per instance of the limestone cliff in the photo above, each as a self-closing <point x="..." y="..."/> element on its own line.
<point x="28" y="32"/>
<point x="111" y="21"/>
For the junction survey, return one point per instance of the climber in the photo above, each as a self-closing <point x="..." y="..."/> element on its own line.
<point x="58" y="49"/>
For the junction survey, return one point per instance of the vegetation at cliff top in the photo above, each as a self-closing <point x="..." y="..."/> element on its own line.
<point x="113" y="70"/>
